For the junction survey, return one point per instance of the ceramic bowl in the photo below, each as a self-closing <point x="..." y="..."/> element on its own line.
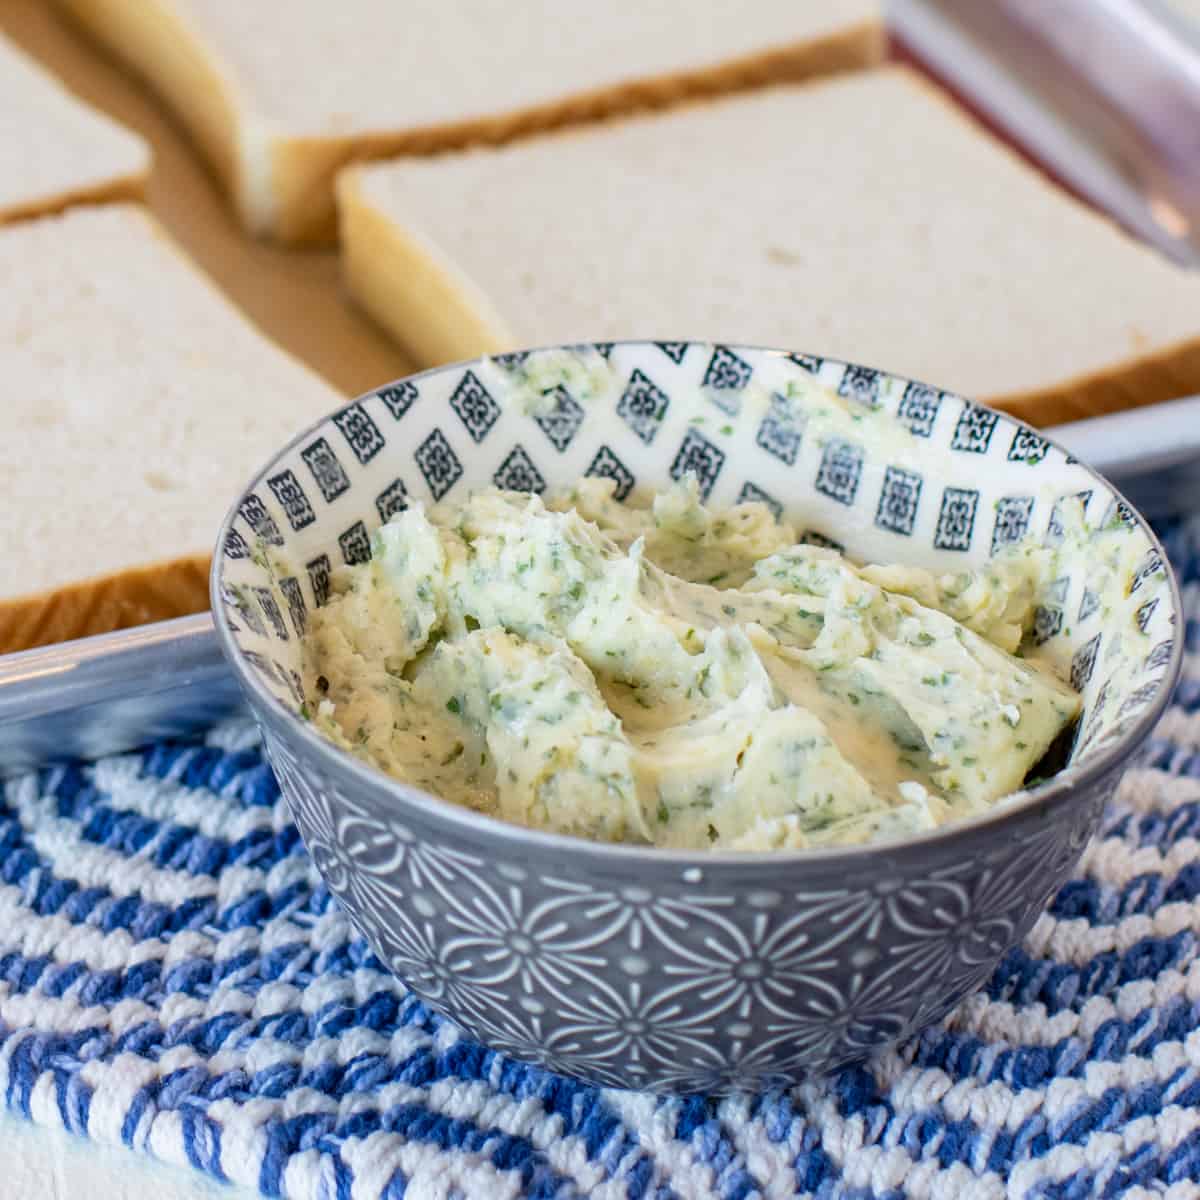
<point x="697" y="971"/>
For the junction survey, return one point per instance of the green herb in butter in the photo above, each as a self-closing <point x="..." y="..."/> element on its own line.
<point x="677" y="675"/>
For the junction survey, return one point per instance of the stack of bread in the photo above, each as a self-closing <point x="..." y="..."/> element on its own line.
<point x="498" y="176"/>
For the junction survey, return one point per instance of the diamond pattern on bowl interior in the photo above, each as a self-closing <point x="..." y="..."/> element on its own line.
<point x="458" y="429"/>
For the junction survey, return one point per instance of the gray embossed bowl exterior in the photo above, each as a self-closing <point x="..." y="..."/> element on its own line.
<point x="689" y="972"/>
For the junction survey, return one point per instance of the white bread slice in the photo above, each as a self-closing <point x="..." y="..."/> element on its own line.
<point x="861" y="217"/>
<point x="281" y="93"/>
<point x="55" y="150"/>
<point x="137" y="402"/>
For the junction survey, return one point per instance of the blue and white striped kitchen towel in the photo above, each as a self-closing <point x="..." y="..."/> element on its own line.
<point x="173" y="976"/>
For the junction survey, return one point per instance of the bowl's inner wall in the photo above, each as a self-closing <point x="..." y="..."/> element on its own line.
<point x="899" y="473"/>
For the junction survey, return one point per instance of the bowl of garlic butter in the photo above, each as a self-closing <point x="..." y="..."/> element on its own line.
<point x="685" y="716"/>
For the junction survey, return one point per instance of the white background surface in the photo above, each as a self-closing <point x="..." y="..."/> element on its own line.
<point x="46" y="1164"/>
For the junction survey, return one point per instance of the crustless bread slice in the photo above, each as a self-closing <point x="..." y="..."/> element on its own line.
<point x="54" y="149"/>
<point x="281" y="93"/>
<point x="137" y="402"/>
<point x="861" y="217"/>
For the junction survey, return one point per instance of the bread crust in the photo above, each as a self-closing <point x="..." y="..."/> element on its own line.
<point x="1166" y="374"/>
<point x="137" y="596"/>
<point x="127" y="188"/>
<point x="300" y="171"/>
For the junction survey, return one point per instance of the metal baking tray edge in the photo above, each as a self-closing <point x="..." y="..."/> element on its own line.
<point x="104" y="695"/>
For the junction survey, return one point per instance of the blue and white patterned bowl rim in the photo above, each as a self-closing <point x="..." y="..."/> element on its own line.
<point x="272" y="686"/>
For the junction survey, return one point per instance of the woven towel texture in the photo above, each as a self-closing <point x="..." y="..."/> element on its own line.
<point x="174" y="976"/>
